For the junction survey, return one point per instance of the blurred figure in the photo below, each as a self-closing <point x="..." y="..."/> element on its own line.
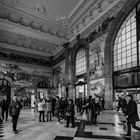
<point x="79" y="104"/>
<point x="57" y="109"/>
<point x="53" y="106"/>
<point x="7" y="109"/>
<point x="1" y="119"/>
<point x="103" y="103"/>
<point x="14" y="111"/>
<point x="48" y="110"/>
<point x="131" y="115"/>
<point x="119" y="103"/>
<point x="3" y="106"/>
<point x="35" y="105"/>
<point x="123" y="105"/>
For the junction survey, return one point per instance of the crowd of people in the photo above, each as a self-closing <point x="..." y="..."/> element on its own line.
<point x="65" y="109"/>
<point x="61" y="108"/>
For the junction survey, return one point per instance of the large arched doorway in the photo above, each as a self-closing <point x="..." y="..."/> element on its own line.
<point x="5" y="90"/>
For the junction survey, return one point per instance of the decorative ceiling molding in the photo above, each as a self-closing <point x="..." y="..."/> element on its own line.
<point x="110" y="12"/>
<point x="40" y="34"/>
<point x="29" y="18"/>
<point x="29" y="43"/>
<point x="91" y="15"/>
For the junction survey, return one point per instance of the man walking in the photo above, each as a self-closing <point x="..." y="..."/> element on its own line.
<point x="131" y="115"/>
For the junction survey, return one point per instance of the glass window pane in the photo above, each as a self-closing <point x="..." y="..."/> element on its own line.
<point x="133" y="39"/>
<point x="125" y="48"/>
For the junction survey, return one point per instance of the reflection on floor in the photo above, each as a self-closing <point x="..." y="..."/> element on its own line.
<point x="109" y="128"/>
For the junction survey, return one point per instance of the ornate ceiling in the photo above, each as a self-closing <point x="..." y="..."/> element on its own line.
<point x="42" y="26"/>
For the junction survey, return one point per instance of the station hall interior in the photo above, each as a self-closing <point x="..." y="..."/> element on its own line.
<point x="71" y="49"/>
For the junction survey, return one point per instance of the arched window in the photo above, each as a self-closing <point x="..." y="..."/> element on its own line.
<point x="125" y="48"/>
<point x="80" y="70"/>
<point x="80" y="64"/>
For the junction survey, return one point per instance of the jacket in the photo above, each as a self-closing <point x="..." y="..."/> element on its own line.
<point x="70" y="109"/>
<point x="14" y="108"/>
<point x="48" y="106"/>
<point x="41" y="106"/>
<point x="131" y="111"/>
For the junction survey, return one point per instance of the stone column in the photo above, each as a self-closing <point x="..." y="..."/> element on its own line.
<point x="108" y="92"/>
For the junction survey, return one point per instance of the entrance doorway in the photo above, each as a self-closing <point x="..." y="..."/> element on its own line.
<point x="42" y="89"/>
<point x="5" y="90"/>
<point x="80" y="90"/>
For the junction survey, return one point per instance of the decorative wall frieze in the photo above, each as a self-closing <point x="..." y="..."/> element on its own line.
<point x="11" y="56"/>
<point x="98" y="23"/>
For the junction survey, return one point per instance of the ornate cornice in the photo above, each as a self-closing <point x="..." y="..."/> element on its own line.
<point x="20" y="57"/>
<point x="112" y="12"/>
<point x="28" y="43"/>
<point x="15" y="12"/>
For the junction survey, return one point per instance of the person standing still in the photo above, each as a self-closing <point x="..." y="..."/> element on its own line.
<point x="14" y="110"/>
<point x="70" y="114"/>
<point x="41" y="110"/>
<point x="131" y="115"/>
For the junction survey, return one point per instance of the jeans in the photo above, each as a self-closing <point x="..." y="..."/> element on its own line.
<point x="72" y="121"/>
<point x="49" y="115"/>
<point x="41" y="115"/>
<point x="129" y="127"/>
<point x="14" y="120"/>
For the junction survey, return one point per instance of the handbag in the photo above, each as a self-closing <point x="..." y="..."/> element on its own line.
<point x="84" y="116"/>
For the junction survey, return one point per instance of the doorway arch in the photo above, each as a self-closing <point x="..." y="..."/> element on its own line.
<point x="5" y="89"/>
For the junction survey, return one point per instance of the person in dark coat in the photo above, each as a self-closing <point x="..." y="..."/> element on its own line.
<point x="53" y="106"/>
<point x="119" y="103"/>
<point x="95" y="111"/>
<point x="131" y="115"/>
<point x="124" y="104"/>
<point x="3" y="106"/>
<point x="1" y="119"/>
<point x="14" y="111"/>
<point x="70" y="114"/>
<point x="79" y="104"/>
<point x="57" y="109"/>
<point x="103" y="103"/>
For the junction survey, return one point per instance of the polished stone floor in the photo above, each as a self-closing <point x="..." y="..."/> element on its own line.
<point x="109" y="128"/>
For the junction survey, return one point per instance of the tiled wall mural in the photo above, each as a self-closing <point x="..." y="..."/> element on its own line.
<point x="96" y="54"/>
<point x="59" y="77"/>
<point x="23" y="76"/>
<point x="97" y="87"/>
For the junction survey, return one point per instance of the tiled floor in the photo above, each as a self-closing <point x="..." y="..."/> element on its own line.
<point x="109" y="128"/>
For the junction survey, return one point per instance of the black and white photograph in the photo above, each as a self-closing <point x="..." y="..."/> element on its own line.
<point x="69" y="69"/>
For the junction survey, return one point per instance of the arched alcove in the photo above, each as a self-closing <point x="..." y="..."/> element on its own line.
<point x="81" y="44"/>
<point x="7" y="87"/>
